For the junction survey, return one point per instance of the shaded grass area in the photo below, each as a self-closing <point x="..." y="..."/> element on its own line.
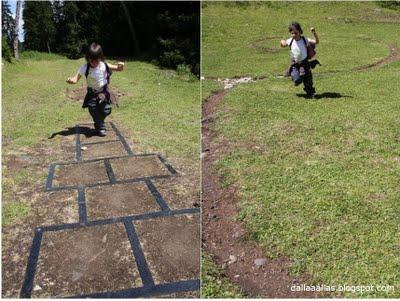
<point x="160" y="112"/>
<point x="318" y="180"/>
<point x="215" y="283"/>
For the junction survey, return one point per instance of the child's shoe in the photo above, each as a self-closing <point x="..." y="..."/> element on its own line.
<point x="102" y="133"/>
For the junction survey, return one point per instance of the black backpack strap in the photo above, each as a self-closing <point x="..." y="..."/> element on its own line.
<point x="305" y="41"/>
<point x="87" y="70"/>
<point x="290" y="45"/>
<point x="109" y="72"/>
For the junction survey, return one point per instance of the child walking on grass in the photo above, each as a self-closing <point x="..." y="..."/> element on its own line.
<point x="99" y="97"/>
<point x="302" y="49"/>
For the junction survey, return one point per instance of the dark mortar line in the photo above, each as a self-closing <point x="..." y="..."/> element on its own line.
<point x="78" y="144"/>
<point x="115" y="220"/>
<point x="168" y="288"/>
<point x="82" y="205"/>
<point x="27" y="286"/>
<point x="100" y="142"/>
<point x="110" y="171"/>
<point x="126" y="145"/>
<point x="158" y="197"/>
<point x="167" y="165"/>
<point x="128" y="181"/>
<point x="50" y="177"/>
<point x="141" y="263"/>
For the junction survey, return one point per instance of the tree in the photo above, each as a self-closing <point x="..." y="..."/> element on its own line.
<point x="74" y="42"/>
<point x="7" y="23"/>
<point x="16" y="41"/>
<point x="39" y="25"/>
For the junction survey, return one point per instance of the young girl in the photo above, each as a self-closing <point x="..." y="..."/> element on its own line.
<point x="300" y="70"/>
<point x="98" y="98"/>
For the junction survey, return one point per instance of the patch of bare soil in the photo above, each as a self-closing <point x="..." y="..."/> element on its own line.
<point x="137" y="167"/>
<point x="103" y="150"/>
<point x="179" y="192"/>
<point x="44" y="208"/>
<point x="119" y="200"/>
<point x="225" y="238"/>
<point x="83" y="261"/>
<point x="80" y="174"/>
<point x="171" y="246"/>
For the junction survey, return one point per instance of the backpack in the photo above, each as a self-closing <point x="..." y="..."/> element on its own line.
<point x="108" y="71"/>
<point x="310" y="48"/>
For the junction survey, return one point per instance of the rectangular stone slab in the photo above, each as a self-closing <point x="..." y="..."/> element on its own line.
<point x="103" y="150"/>
<point x="80" y="174"/>
<point x="85" y="260"/>
<point x="171" y="246"/>
<point x="119" y="200"/>
<point x="138" y="167"/>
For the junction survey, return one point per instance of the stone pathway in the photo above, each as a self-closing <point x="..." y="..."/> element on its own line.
<point x="132" y="236"/>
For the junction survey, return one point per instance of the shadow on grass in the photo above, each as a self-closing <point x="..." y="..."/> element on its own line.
<point x="326" y="95"/>
<point x="84" y="130"/>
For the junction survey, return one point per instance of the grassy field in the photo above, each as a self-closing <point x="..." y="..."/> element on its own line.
<point x="318" y="180"/>
<point x="160" y="113"/>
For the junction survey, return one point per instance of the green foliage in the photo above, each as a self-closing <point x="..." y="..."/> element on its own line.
<point x="6" y="52"/>
<point x="40" y="56"/>
<point x="390" y="4"/>
<point x="214" y="282"/>
<point x="7" y="23"/>
<point x="38" y="25"/>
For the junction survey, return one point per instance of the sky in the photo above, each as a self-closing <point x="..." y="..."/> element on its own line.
<point x="13" y="6"/>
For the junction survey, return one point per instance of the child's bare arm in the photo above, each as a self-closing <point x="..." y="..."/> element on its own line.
<point x="283" y="43"/>
<point x="118" y="67"/>
<point x="74" y="80"/>
<point x="316" y="41"/>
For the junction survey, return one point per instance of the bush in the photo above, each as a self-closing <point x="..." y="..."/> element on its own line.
<point x="6" y="52"/>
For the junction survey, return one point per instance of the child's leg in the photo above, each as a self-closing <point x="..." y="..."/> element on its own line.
<point x="295" y="75"/>
<point x="104" y="110"/>
<point x="308" y="81"/>
<point x="94" y="112"/>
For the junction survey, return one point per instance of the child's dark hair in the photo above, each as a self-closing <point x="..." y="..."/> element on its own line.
<point x="94" y="52"/>
<point x="295" y="25"/>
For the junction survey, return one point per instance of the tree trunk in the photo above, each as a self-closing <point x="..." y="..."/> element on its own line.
<point x="16" y="40"/>
<point x="131" y="29"/>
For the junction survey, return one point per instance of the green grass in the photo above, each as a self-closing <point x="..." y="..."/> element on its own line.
<point x="214" y="282"/>
<point x="12" y="211"/>
<point x="160" y="111"/>
<point x="318" y="180"/>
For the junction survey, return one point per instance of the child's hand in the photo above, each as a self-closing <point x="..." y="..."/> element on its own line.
<point x="120" y="66"/>
<point x="312" y="29"/>
<point x="71" y="80"/>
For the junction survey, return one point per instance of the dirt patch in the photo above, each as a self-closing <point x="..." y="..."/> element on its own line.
<point x="179" y="194"/>
<point x="137" y="167"/>
<point x="171" y="246"/>
<point x="392" y="57"/>
<point x="79" y="93"/>
<point x="225" y="238"/>
<point x="80" y="174"/>
<point x="92" y="136"/>
<point x="119" y="200"/>
<point x="64" y="205"/>
<point x="103" y="150"/>
<point x="84" y="261"/>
